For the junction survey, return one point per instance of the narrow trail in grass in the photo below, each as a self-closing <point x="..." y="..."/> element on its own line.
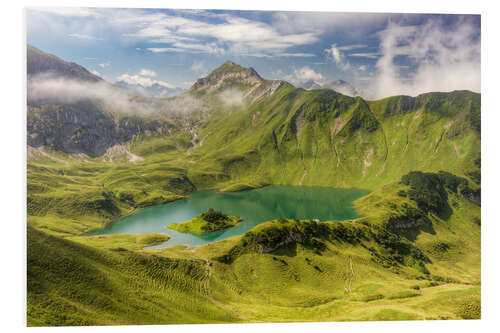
<point x="456" y="150"/>
<point x="348" y="289"/>
<point x="194" y="137"/>
<point x="303" y="176"/>
<point x="214" y="301"/>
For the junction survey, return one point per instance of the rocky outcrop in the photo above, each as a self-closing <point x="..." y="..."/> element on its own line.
<point x="82" y="127"/>
<point x="408" y="223"/>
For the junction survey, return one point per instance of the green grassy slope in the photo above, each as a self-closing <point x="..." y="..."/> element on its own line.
<point x="72" y="284"/>
<point x="369" y="269"/>
<point x="323" y="138"/>
<point x="384" y="266"/>
<point x="414" y="255"/>
<point x="277" y="135"/>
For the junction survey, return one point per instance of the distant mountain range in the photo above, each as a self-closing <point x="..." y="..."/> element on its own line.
<point x="340" y="86"/>
<point x="156" y="90"/>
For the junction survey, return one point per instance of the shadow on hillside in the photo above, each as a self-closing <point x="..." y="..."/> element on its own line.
<point x="412" y="233"/>
<point x="289" y="250"/>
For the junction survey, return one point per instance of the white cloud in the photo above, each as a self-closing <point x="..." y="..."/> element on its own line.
<point x="84" y="36"/>
<point x="352" y="47"/>
<point x="442" y="58"/>
<point x="240" y="36"/>
<point x="231" y="97"/>
<point x="66" y="11"/>
<point x="334" y="54"/>
<point x="303" y="75"/>
<point x="60" y="90"/>
<point x="362" y="68"/>
<point x="369" y="55"/>
<point x="305" y="55"/>
<point x="104" y="65"/>
<point x="143" y="81"/>
<point x="210" y="48"/>
<point x="188" y="31"/>
<point x="147" y="72"/>
<point x="164" y="49"/>
<point x="95" y="73"/>
<point x="349" y="23"/>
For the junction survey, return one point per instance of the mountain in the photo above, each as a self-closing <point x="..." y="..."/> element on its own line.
<point x="310" y="85"/>
<point x="75" y="111"/>
<point x="39" y="62"/>
<point x="225" y="75"/>
<point x="414" y="253"/>
<point x="296" y="131"/>
<point x="340" y="86"/>
<point x="155" y="91"/>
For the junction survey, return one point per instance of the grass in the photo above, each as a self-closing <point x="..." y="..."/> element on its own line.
<point x="199" y="225"/>
<point x="74" y="284"/>
<point x="117" y="242"/>
<point x="281" y="270"/>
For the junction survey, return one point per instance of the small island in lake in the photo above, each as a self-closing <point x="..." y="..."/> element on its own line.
<point x="209" y="221"/>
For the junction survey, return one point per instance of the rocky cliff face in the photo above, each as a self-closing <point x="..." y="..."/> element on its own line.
<point x="82" y="128"/>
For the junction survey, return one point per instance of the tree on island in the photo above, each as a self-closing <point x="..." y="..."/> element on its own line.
<point x="214" y="216"/>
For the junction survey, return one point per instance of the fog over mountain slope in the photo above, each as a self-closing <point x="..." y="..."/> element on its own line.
<point x="155" y="90"/>
<point x="341" y="86"/>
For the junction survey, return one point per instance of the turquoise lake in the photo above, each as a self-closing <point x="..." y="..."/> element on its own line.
<point x="254" y="206"/>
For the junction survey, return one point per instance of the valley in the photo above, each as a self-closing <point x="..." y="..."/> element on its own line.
<point x="410" y="250"/>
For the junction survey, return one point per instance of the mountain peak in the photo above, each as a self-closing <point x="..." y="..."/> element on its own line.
<point x="226" y="75"/>
<point x="39" y="62"/>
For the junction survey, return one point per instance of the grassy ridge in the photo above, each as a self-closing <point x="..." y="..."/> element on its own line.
<point x="327" y="139"/>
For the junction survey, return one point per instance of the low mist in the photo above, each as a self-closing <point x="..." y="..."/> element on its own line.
<point x="50" y="89"/>
<point x="231" y="97"/>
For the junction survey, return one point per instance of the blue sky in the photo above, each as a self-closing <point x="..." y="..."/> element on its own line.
<point x="380" y="54"/>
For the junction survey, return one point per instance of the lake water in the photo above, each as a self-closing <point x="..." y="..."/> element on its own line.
<point x="254" y="206"/>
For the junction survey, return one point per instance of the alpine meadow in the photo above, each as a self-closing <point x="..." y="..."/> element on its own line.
<point x="192" y="189"/>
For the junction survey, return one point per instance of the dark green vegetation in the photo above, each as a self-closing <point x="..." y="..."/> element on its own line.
<point x="209" y="221"/>
<point x="414" y="255"/>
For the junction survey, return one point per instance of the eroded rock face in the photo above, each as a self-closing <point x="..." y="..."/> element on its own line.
<point x="81" y="128"/>
<point x="474" y="197"/>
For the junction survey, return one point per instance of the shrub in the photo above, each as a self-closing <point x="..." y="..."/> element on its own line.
<point x="214" y="216"/>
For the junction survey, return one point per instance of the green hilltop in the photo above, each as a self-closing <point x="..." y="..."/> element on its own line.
<point x="414" y="255"/>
